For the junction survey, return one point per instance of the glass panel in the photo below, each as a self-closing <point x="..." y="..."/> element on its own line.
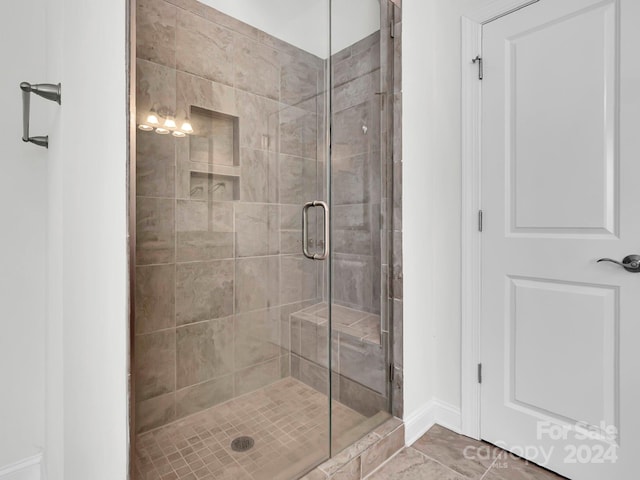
<point x="231" y="105"/>
<point x="253" y="360"/>
<point x="362" y="69"/>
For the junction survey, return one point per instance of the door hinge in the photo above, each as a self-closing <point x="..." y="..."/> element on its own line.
<point x="391" y="373"/>
<point x="479" y="373"/>
<point x="480" y="220"/>
<point x="479" y="61"/>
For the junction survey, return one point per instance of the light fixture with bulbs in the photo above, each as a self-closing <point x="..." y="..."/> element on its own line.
<point x="186" y="127"/>
<point x="163" y="122"/>
<point x="170" y="123"/>
<point x="152" y="119"/>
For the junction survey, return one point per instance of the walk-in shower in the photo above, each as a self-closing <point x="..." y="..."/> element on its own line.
<point x="264" y="325"/>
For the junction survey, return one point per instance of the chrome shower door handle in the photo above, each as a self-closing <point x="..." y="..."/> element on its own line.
<point x="630" y="263"/>
<point x="305" y="227"/>
<point x="325" y="251"/>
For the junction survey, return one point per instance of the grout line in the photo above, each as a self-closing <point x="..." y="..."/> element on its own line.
<point x="439" y="463"/>
<point x="385" y="462"/>
<point x="490" y="467"/>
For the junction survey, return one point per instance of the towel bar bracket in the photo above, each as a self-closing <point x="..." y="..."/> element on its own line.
<point x="48" y="91"/>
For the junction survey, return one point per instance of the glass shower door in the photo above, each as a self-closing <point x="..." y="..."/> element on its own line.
<point x="262" y="159"/>
<point x="231" y="143"/>
<point x="361" y="159"/>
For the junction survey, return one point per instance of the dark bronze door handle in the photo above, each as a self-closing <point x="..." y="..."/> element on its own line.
<point x="630" y="263"/>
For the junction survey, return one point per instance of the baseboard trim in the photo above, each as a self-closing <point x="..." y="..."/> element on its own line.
<point x="434" y="412"/>
<point x="29" y="468"/>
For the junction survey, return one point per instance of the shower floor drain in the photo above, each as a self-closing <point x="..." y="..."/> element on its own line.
<point x="242" y="444"/>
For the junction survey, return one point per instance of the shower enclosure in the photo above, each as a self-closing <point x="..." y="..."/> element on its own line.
<point x="262" y="333"/>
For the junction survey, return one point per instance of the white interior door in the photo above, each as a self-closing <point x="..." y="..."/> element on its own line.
<point x="560" y="333"/>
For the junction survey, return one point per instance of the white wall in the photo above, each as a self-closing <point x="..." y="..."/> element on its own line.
<point x="431" y="200"/>
<point x="23" y="197"/>
<point x="304" y="23"/>
<point x="419" y="194"/>
<point x="87" y="339"/>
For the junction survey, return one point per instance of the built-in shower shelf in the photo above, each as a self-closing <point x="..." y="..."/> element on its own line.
<point x="358" y="325"/>
<point x="215" y="140"/>
<point x="211" y="186"/>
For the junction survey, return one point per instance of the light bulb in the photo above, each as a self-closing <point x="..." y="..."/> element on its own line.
<point x="161" y="131"/>
<point x="186" y="127"/>
<point x="179" y="134"/>
<point x="152" y="119"/>
<point x="169" y="123"/>
<point x="145" y="128"/>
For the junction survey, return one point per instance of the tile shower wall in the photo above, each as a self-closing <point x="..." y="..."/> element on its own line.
<point x="357" y="175"/>
<point x="367" y="216"/>
<point x="218" y="269"/>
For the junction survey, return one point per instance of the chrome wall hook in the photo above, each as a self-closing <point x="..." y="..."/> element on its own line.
<point x="45" y="90"/>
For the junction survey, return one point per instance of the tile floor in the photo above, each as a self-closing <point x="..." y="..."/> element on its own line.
<point x="288" y="421"/>
<point x="439" y="455"/>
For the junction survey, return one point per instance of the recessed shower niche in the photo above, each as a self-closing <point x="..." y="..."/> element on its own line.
<point x="212" y="156"/>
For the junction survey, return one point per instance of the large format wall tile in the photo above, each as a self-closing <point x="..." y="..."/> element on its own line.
<point x="204" y="351"/>
<point x="204" y="395"/>
<point x="204" y="291"/>
<point x="205" y="230"/>
<point x="353" y="281"/>
<point x="197" y="216"/>
<point x="258" y="118"/>
<point x="155" y="88"/>
<point x="155" y="361"/>
<point x="360" y="398"/>
<point x="310" y="373"/>
<point x="155" y="412"/>
<point x="257" y="376"/>
<point x="257" y="337"/>
<point x="290" y="242"/>
<point x="291" y="217"/>
<point x="203" y="93"/>
<point x="298" y="180"/>
<point x="351" y="180"/>
<point x="363" y="362"/>
<point x="257" y="228"/>
<point x="155" y="165"/>
<point x="356" y="91"/>
<point x="252" y="57"/>
<point x="298" y="80"/>
<point x="258" y="177"/>
<point x="203" y="48"/>
<point x="156" y="31"/>
<point x="155" y="298"/>
<point x="349" y="137"/>
<point x="364" y="58"/>
<point x="358" y="242"/>
<point x="155" y="231"/>
<point x="204" y="245"/>
<point x="297" y="279"/>
<point x="257" y="281"/>
<point x="298" y="132"/>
